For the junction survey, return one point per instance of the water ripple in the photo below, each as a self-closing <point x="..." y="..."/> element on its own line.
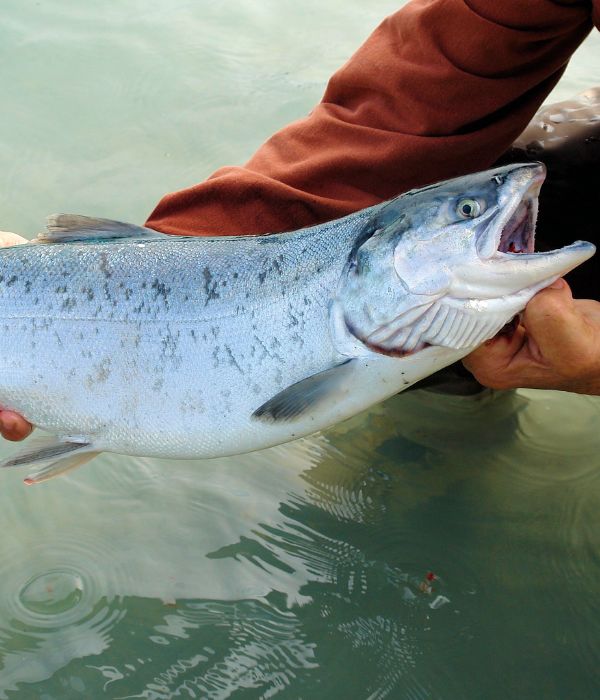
<point x="265" y="650"/>
<point x="59" y="607"/>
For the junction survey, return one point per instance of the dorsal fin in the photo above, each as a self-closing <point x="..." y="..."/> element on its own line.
<point x="63" y="228"/>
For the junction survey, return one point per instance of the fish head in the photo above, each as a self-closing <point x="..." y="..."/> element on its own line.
<point x="450" y="264"/>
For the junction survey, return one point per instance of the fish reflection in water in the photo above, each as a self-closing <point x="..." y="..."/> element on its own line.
<point x="298" y="571"/>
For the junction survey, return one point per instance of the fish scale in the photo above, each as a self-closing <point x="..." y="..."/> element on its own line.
<point x="145" y="331"/>
<point x="118" y="338"/>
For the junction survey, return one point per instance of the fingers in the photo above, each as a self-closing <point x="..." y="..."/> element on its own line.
<point x="549" y="313"/>
<point x="13" y="426"/>
<point x="7" y="239"/>
<point x="561" y="335"/>
<point x="556" y="347"/>
<point x="491" y="364"/>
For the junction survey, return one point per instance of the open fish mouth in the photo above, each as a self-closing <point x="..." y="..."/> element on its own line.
<point x="518" y="234"/>
<point x="515" y="234"/>
<point x="517" y="231"/>
<point x="517" y="238"/>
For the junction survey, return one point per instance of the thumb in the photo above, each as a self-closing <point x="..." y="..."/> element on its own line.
<point x="552" y="321"/>
<point x="7" y="239"/>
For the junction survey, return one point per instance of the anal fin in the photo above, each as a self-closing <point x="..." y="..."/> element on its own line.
<point x="51" y="456"/>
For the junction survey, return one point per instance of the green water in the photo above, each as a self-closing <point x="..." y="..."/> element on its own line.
<point x="298" y="572"/>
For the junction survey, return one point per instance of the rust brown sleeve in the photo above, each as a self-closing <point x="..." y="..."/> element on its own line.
<point x="441" y="87"/>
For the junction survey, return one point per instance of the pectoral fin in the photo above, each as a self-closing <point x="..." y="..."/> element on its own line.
<point x="304" y="396"/>
<point x="52" y="456"/>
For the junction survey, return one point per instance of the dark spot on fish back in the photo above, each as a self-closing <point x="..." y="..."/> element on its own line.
<point x="215" y="356"/>
<point x="210" y="285"/>
<point x="69" y="303"/>
<point x="104" y="265"/>
<point x="161" y="290"/>
<point x="232" y="360"/>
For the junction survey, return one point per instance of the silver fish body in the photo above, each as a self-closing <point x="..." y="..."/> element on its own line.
<point x="116" y="338"/>
<point x="165" y="347"/>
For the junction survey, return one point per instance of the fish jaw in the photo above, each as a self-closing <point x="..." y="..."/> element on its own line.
<point x="506" y="274"/>
<point x="506" y="263"/>
<point x="450" y="283"/>
<point x="512" y="229"/>
<point x="524" y="274"/>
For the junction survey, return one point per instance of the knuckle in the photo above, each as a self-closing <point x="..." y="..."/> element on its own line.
<point x="493" y="380"/>
<point x="499" y="384"/>
<point x="580" y="364"/>
<point x="548" y="305"/>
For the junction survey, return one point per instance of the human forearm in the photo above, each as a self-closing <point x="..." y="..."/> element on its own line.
<point x="440" y="88"/>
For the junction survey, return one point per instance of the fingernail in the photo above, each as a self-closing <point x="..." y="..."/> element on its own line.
<point x="557" y="284"/>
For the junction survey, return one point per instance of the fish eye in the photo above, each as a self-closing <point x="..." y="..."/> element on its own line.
<point x="469" y="208"/>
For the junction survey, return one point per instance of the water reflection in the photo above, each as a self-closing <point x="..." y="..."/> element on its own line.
<point x="303" y="570"/>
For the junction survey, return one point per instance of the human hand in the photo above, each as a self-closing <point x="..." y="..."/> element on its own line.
<point x="556" y="346"/>
<point x="12" y="425"/>
<point x="7" y="239"/>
